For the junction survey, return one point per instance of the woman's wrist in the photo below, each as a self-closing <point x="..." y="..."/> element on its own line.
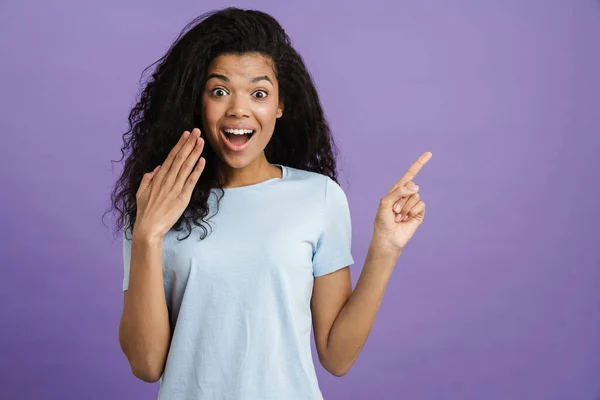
<point x="145" y="235"/>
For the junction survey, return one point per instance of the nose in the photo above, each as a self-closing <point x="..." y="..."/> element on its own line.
<point x="238" y="107"/>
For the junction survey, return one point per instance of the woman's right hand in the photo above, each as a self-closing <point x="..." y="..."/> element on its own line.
<point x="165" y="193"/>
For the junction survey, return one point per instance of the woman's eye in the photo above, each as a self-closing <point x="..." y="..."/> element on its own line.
<point x="219" y="92"/>
<point x="262" y="93"/>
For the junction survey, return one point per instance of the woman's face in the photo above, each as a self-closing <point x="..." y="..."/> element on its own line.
<point x="240" y="105"/>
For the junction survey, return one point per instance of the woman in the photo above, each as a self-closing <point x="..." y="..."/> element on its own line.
<point x="225" y="310"/>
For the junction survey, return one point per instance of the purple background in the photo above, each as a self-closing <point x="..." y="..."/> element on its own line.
<point x="496" y="297"/>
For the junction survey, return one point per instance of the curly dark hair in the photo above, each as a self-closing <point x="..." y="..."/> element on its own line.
<point x="170" y="103"/>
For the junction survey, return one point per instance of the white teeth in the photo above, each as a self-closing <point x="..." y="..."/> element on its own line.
<point x="239" y="131"/>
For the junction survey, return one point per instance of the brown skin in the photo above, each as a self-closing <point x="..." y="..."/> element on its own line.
<point x="233" y="98"/>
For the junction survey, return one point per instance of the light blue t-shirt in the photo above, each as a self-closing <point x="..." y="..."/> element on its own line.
<point x="239" y="300"/>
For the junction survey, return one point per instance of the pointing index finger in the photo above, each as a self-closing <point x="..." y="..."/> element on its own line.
<point x="414" y="169"/>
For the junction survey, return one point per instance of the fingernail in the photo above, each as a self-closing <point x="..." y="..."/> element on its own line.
<point x="397" y="208"/>
<point x="414" y="188"/>
<point x="186" y="134"/>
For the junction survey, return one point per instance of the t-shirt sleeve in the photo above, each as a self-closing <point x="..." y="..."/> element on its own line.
<point x="333" y="250"/>
<point x="126" y="259"/>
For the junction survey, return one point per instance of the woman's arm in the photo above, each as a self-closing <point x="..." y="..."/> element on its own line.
<point x="144" y="330"/>
<point x="343" y="318"/>
<point x="162" y="197"/>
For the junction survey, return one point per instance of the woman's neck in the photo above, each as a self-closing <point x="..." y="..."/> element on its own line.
<point x="256" y="172"/>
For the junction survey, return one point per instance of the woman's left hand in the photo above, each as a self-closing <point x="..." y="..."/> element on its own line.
<point x="401" y="211"/>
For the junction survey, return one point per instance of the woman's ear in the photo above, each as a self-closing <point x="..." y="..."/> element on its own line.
<point x="280" y="110"/>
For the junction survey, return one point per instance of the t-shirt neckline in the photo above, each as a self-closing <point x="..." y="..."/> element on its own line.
<point x="284" y="173"/>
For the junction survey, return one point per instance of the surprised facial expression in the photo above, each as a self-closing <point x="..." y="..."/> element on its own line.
<point x="240" y="105"/>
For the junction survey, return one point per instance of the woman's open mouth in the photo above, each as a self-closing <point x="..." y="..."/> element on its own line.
<point x="237" y="139"/>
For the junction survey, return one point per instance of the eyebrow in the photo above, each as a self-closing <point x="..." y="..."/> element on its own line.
<point x="226" y="79"/>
